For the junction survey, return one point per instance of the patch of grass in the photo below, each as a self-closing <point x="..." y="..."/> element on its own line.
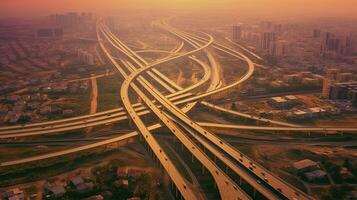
<point x="108" y="92"/>
<point x="246" y="149"/>
<point x="293" y="181"/>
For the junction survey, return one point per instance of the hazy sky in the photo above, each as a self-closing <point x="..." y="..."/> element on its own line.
<point x="253" y="7"/>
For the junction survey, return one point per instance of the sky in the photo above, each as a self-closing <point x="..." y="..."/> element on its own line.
<point x="344" y="8"/>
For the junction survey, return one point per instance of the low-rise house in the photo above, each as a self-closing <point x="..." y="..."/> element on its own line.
<point x="134" y="198"/>
<point x="18" y="108"/>
<point x="303" y="166"/>
<point x="47" y="89"/>
<point x="317" y="111"/>
<point x="45" y="110"/>
<point x="14" y="194"/>
<point x="13" y="98"/>
<point x="33" y="105"/>
<point x="13" y="116"/>
<point x="75" y="181"/>
<point x="315" y="175"/>
<point x="57" y="190"/>
<point x="50" y="109"/>
<point x="95" y="197"/>
<point x="122" y="183"/>
<point x="85" y="187"/>
<point x="134" y="172"/>
<point x="345" y="173"/>
<point x="3" y="109"/>
<point x="122" y="172"/>
<point x="67" y="113"/>
<point x="58" y="88"/>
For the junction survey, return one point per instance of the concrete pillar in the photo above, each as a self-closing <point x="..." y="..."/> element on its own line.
<point x="131" y="122"/>
<point x="175" y="191"/>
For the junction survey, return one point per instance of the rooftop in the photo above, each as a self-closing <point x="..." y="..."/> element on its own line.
<point x="302" y="164"/>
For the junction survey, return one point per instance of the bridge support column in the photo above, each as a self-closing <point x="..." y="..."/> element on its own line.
<point x="254" y="193"/>
<point x="131" y="123"/>
<point x="192" y="158"/>
<point x="203" y="169"/>
<point x="175" y="192"/>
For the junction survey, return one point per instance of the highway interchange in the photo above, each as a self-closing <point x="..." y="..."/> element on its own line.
<point x="170" y="111"/>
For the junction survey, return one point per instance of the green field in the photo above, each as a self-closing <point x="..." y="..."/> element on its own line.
<point x="108" y="92"/>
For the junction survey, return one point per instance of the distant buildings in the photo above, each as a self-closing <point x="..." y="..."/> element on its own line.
<point x="268" y="40"/>
<point x="51" y="32"/>
<point x="316" y="33"/>
<point x="237" y="33"/>
<point x="85" y="57"/>
<point x="333" y="45"/>
<point x="71" y="18"/>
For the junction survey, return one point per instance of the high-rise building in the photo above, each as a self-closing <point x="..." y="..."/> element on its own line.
<point x="49" y="32"/>
<point x="330" y="78"/>
<point x="266" y="25"/>
<point x="237" y="33"/>
<point x="278" y="28"/>
<point x="326" y="87"/>
<point x="344" y="77"/>
<point x="349" y="46"/>
<point x="354" y="97"/>
<point x="339" y="46"/>
<point x="73" y="18"/>
<point x="268" y="40"/>
<point x="316" y="33"/>
<point x="85" y="57"/>
<point x="279" y="48"/>
<point x="332" y="73"/>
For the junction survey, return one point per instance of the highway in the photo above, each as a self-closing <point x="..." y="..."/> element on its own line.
<point x="274" y="182"/>
<point x="165" y="107"/>
<point x="174" y="110"/>
<point x="222" y="180"/>
<point x="291" y="129"/>
<point x="167" y="164"/>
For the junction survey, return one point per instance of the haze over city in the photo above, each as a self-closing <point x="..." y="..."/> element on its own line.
<point x="261" y="8"/>
<point x="179" y="99"/>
